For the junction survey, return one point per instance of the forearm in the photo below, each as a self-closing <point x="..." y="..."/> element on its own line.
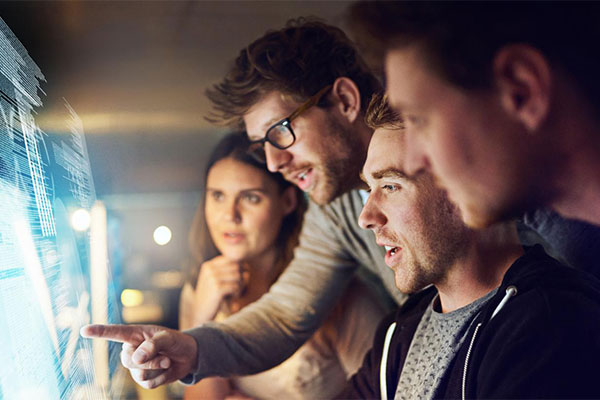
<point x="192" y="312"/>
<point x="356" y="318"/>
<point x="209" y="388"/>
<point x="268" y="331"/>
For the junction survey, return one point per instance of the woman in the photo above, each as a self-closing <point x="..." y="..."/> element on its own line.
<point x="242" y="239"/>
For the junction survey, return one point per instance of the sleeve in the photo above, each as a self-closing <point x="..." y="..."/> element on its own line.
<point x="575" y="242"/>
<point x="268" y="331"/>
<point x="364" y="384"/>
<point x="355" y="321"/>
<point x="552" y="352"/>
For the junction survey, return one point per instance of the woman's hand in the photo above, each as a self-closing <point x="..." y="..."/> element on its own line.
<point x="219" y="279"/>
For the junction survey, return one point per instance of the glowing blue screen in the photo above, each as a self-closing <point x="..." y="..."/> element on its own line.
<point x="45" y="290"/>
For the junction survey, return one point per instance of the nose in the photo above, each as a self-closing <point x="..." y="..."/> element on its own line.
<point x="232" y="212"/>
<point x="415" y="160"/>
<point x="276" y="158"/>
<point x="371" y="216"/>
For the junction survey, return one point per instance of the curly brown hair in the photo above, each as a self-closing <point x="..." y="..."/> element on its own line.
<point x="380" y="115"/>
<point x="298" y="60"/>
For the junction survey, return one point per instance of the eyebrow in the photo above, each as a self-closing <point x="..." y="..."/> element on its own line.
<point x="256" y="189"/>
<point x="397" y="106"/>
<point x="271" y="122"/>
<point x="388" y="173"/>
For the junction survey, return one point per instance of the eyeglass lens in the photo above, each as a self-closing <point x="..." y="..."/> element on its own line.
<point x="280" y="136"/>
<point x="257" y="150"/>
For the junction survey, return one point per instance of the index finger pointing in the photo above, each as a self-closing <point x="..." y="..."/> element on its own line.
<point x="116" y="333"/>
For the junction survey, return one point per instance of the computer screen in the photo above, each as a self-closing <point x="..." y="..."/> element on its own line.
<point x="54" y="270"/>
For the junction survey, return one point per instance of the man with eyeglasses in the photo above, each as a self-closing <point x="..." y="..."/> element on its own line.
<point x="300" y="93"/>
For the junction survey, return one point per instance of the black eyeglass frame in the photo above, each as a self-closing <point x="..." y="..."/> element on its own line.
<point x="286" y="122"/>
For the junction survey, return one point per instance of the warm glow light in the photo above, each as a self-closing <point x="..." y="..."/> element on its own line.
<point x="131" y="298"/>
<point x="80" y="220"/>
<point x="99" y="289"/>
<point x="162" y="235"/>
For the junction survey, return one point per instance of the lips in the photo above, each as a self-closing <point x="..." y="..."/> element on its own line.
<point x="392" y="254"/>
<point x="305" y="179"/>
<point x="233" y="237"/>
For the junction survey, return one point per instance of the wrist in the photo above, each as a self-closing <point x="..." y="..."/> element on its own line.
<point x="193" y="352"/>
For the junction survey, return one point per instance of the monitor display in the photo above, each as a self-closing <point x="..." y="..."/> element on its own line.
<point x="54" y="270"/>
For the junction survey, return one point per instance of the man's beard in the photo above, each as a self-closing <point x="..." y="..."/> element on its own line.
<point x="340" y="173"/>
<point x="444" y="240"/>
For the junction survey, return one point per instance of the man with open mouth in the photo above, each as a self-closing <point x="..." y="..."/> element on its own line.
<point x="489" y="319"/>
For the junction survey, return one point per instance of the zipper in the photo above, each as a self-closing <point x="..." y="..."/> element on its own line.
<point x="510" y="291"/>
<point x="464" y="382"/>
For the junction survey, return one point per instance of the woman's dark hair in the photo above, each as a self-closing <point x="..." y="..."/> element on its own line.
<point x="235" y="146"/>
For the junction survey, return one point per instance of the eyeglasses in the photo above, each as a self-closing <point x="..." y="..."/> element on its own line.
<point x="280" y="135"/>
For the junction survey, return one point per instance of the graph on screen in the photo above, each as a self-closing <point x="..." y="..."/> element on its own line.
<point x="46" y="259"/>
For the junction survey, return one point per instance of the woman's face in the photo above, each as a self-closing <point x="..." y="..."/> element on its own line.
<point x="244" y="209"/>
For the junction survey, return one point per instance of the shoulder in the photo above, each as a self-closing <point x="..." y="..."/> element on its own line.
<point x="347" y="206"/>
<point x="548" y="285"/>
<point x="548" y="294"/>
<point x="544" y="341"/>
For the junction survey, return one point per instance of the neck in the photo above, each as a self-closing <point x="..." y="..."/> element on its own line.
<point x="264" y="268"/>
<point x="481" y="268"/>
<point x="579" y="187"/>
<point x="364" y="133"/>
<point x="576" y="156"/>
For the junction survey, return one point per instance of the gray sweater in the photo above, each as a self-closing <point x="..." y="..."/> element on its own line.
<point x="332" y="248"/>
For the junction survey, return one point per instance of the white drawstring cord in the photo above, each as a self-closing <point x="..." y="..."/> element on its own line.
<point x="510" y="291"/>
<point x="383" y="365"/>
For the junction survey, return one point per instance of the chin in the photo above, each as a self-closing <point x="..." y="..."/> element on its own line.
<point x="483" y="217"/>
<point x="325" y="195"/>
<point x="407" y="285"/>
<point x="234" y="254"/>
<point x="319" y="197"/>
<point x="477" y="220"/>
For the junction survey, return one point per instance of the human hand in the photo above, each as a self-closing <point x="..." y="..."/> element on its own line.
<point x="153" y="354"/>
<point x="219" y="278"/>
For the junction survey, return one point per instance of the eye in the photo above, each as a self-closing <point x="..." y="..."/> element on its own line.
<point x="251" y="198"/>
<point x="390" y="188"/>
<point x="413" y="120"/>
<point x="255" y="138"/>
<point x="216" y="195"/>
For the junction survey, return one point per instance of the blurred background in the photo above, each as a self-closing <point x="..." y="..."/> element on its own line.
<point x="135" y="72"/>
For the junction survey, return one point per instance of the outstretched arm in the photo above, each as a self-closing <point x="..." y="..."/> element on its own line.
<point x="268" y="331"/>
<point x="153" y="354"/>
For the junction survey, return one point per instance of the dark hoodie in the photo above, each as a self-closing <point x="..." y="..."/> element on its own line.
<point x="542" y="342"/>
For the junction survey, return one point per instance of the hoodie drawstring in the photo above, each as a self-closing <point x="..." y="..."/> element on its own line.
<point x="384" y="356"/>
<point x="510" y="291"/>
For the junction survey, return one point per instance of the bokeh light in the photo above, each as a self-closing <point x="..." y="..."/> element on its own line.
<point x="162" y="235"/>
